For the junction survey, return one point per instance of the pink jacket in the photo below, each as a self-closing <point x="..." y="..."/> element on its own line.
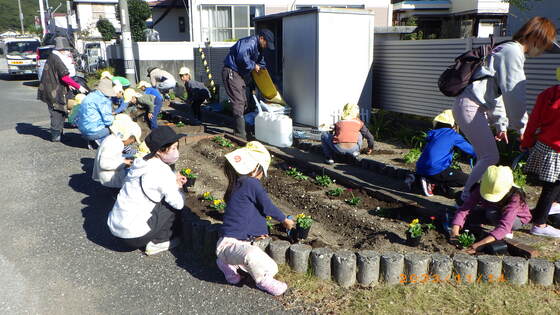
<point x="516" y="208"/>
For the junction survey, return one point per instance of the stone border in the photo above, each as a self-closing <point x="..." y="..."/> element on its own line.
<point x="369" y="268"/>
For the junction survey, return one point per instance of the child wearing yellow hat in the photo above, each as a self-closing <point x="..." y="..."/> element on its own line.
<point x="434" y="165"/>
<point x="244" y="220"/>
<point x="496" y="201"/>
<point x="347" y="135"/>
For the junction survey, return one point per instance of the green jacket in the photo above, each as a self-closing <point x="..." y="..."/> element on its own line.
<point x="145" y="102"/>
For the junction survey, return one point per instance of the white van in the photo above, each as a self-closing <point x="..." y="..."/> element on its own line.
<point x="18" y="56"/>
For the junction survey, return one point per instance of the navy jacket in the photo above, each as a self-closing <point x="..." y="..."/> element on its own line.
<point x="244" y="55"/>
<point x="197" y="91"/>
<point x="247" y="209"/>
<point x="437" y="155"/>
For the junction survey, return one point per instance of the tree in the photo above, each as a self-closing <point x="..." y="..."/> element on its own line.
<point x="106" y="29"/>
<point x="522" y="4"/>
<point x="138" y="13"/>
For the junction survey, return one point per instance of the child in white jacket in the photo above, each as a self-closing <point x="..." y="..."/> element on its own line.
<point x="146" y="211"/>
<point x="111" y="166"/>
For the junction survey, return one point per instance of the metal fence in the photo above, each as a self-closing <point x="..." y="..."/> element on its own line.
<point x="406" y="73"/>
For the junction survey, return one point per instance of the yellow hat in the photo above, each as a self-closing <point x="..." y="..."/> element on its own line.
<point x="143" y="84"/>
<point x="496" y="183"/>
<point x="106" y="74"/>
<point x="129" y="93"/>
<point x="79" y="98"/>
<point x="246" y="159"/>
<point x="558" y="73"/>
<point x="350" y="111"/>
<point x="123" y="127"/>
<point x="445" y="117"/>
<point x="184" y="70"/>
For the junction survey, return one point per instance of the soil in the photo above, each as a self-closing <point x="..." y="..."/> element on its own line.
<point x="372" y="224"/>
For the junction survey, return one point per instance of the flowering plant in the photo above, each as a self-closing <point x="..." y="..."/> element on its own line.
<point x="304" y="221"/>
<point x="354" y="201"/>
<point x="416" y="229"/>
<point x="269" y="223"/>
<point x="207" y="196"/>
<point x="187" y="172"/>
<point x="218" y="204"/>
<point x="466" y="239"/>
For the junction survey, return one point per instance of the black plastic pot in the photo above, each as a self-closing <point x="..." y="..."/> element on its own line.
<point x="302" y="233"/>
<point x="190" y="182"/>
<point x="412" y="241"/>
<point x="496" y="248"/>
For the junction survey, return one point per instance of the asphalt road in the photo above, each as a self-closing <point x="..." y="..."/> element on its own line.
<point x="57" y="255"/>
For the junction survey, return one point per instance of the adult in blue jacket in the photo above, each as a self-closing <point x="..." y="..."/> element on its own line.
<point x="434" y="165"/>
<point x="158" y="102"/>
<point x="96" y="113"/>
<point x="244" y="57"/>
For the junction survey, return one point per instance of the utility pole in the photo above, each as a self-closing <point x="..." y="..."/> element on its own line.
<point x="128" y="54"/>
<point x="42" y="14"/>
<point x="20" y="17"/>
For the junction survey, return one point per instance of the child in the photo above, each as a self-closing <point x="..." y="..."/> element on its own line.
<point x="543" y="136"/>
<point x="145" y="214"/>
<point x="348" y="134"/>
<point x="496" y="201"/>
<point x="244" y="220"/>
<point x="197" y="93"/>
<point x="134" y="102"/>
<point x="434" y="165"/>
<point x="146" y="88"/>
<point x="110" y="166"/>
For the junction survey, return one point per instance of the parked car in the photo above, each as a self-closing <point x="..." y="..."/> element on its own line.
<point x="43" y="53"/>
<point x="17" y="55"/>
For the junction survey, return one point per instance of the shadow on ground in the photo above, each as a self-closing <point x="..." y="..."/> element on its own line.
<point x="70" y="138"/>
<point x="98" y="203"/>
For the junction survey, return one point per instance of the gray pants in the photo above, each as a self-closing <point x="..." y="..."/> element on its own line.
<point x="57" y="118"/>
<point x="235" y="89"/>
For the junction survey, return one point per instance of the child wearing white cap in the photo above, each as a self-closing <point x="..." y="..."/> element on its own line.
<point x="111" y="166"/>
<point x="244" y="220"/>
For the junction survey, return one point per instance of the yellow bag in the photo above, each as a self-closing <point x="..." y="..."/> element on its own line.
<point x="266" y="86"/>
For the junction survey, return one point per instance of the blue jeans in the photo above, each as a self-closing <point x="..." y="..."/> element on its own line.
<point x="330" y="148"/>
<point x="157" y="108"/>
<point x="99" y="135"/>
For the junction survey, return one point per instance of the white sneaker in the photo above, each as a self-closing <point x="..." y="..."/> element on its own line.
<point x="356" y="154"/>
<point x="156" y="248"/>
<point x="427" y="187"/>
<point x="547" y="231"/>
<point x="509" y="236"/>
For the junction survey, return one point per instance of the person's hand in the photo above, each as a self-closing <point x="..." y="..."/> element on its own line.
<point x="502" y="135"/>
<point x="150" y="115"/>
<point x="454" y="241"/>
<point x="83" y="90"/>
<point x="257" y="68"/>
<point x="181" y="180"/>
<point x="471" y="250"/>
<point x="289" y="224"/>
<point x="368" y="151"/>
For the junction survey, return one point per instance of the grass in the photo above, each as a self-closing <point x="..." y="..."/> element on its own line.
<point x="319" y="296"/>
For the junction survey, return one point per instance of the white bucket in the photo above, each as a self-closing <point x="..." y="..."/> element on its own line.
<point x="272" y="128"/>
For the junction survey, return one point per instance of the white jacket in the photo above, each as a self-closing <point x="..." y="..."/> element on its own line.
<point x="109" y="168"/>
<point x="130" y="214"/>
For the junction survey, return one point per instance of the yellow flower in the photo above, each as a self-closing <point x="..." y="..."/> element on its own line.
<point x="188" y="171"/>
<point x="217" y="202"/>
<point x="268" y="218"/>
<point x="206" y="194"/>
<point x="300" y="216"/>
<point x="414" y="222"/>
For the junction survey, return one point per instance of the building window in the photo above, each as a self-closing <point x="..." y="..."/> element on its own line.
<point x="181" y="24"/>
<point x="228" y="22"/>
<point x="97" y="11"/>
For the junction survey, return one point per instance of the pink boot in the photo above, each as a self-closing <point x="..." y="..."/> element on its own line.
<point x="230" y="272"/>
<point x="272" y="286"/>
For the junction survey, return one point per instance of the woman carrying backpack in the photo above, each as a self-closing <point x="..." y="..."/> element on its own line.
<point x="497" y="96"/>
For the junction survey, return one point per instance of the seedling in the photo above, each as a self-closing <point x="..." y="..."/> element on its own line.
<point x="466" y="239"/>
<point x="412" y="156"/>
<point x="293" y="172"/>
<point x="354" y="201"/>
<point x="218" y="204"/>
<point x="323" y="180"/>
<point x="337" y="192"/>
<point x="222" y="141"/>
<point x="519" y="178"/>
<point x="180" y="124"/>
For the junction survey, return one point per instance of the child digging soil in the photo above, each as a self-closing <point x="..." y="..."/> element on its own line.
<point x="248" y="205"/>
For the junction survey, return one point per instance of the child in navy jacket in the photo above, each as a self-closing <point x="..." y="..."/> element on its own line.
<point x="244" y="220"/>
<point x="434" y="165"/>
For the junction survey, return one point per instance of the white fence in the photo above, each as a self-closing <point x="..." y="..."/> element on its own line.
<point x="406" y="73"/>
